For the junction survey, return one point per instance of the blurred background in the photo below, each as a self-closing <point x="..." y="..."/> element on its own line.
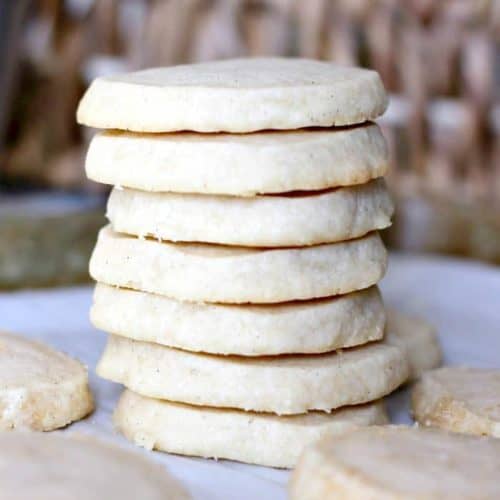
<point x="440" y="61"/>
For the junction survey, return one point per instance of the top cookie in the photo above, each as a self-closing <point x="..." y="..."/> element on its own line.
<point x="238" y="95"/>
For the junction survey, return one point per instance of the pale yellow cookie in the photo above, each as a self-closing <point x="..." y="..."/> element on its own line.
<point x="40" y="389"/>
<point x="57" y="466"/>
<point x="256" y="438"/>
<point x="398" y="463"/>
<point x="239" y="164"/>
<point x="283" y="384"/>
<point x="314" y="326"/>
<point x="238" y="95"/>
<point x="292" y="220"/>
<point x="215" y="273"/>
<point x="459" y="399"/>
<point x="417" y="339"/>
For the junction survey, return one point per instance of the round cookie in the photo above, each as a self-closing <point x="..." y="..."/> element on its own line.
<point x="214" y="273"/>
<point x="239" y="164"/>
<point x="234" y="434"/>
<point x="283" y="385"/>
<point x="314" y="326"/>
<point x="234" y="95"/>
<point x="417" y="339"/>
<point x="398" y="463"/>
<point x="459" y="399"/>
<point x="293" y="220"/>
<point x="58" y="466"/>
<point x="40" y="389"/>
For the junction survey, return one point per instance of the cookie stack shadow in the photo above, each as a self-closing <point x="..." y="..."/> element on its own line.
<point x="238" y="275"/>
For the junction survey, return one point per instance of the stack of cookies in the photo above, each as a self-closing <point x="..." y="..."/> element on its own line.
<point x="237" y="277"/>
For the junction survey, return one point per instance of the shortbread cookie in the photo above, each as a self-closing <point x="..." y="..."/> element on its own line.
<point x="214" y="273"/>
<point x="236" y="164"/>
<point x="284" y="385"/>
<point x="257" y="438"/>
<point x="56" y="466"/>
<point x="40" y="389"/>
<point x="239" y="95"/>
<point x="298" y="219"/>
<point x="459" y="399"/>
<point x="314" y="326"/>
<point x="398" y="463"/>
<point x="417" y="339"/>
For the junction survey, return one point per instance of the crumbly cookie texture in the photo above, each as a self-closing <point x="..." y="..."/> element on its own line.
<point x="215" y="273"/>
<point x="292" y="220"/>
<point x="313" y="326"/>
<point x="234" y="434"/>
<point x="459" y="399"/>
<point x="283" y="385"/>
<point x="398" y="463"/>
<point x="238" y="95"/>
<point x="239" y="164"/>
<point x="55" y="465"/>
<point x="40" y="389"/>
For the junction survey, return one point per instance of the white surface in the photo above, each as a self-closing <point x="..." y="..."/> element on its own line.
<point x="462" y="299"/>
